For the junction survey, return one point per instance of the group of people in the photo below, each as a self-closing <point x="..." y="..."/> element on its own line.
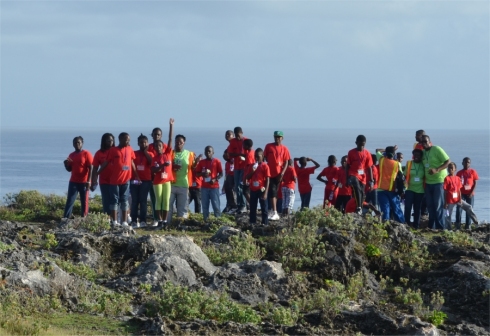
<point x="172" y="175"/>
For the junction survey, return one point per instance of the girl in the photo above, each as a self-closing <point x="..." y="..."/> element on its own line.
<point x="156" y="135"/>
<point x="452" y="197"/>
<point x="304" y="186"/>
<point x="345" y="193"/>
<point x="106" y="143"/>
<point x="79" y="163"/>
<point x="139" y="191"/>
<point x="211" y="171"/>
<point x="330" y="173"/>
<point x="288" y="185"/>
<point x="162" y="176"/>
<point x="259" y="175"/>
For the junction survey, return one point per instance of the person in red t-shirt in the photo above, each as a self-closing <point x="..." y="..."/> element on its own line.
<point x="156" y="135"/>
<point x="100" y="157"/>
<point x="229" y="185"/>
<point x="236" y="152"/>
<point x="358" y="167"/>
<point x="211" y="171"/>
<point x="303" y="173"/>
<point x="121" y="161"/>
<point x="277" y="157"/>
<point x="139" y="191"/>
<point x="452" y="197"/>
<point x="288" y="184"/>
<point x="330" y="173"/>
<point x="249" y="155"/>
<point x="79" y="163"/>
<point x="258" y="174"/>
<point x="351" y="207"/>
<point x="469" y="178"/>
<point x="345" y="192"/>
<point x="195" y="189"/>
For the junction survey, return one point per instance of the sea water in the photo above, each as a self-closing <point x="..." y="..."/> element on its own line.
<point x="33" y="159"/>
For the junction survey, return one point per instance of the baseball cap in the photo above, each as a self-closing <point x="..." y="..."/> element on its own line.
<point x="278" y="133"/>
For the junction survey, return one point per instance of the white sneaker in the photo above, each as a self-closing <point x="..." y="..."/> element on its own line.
<point x="155" y="223"/>
<point x="129" y="219"/>
<point x="142" y="224"/>
<point x="275" y="216"/>
<point x="125" y="224"/>
<point x="270" y="214"/>
<point x="115" y="223"/>
<point x="135" y="225"/>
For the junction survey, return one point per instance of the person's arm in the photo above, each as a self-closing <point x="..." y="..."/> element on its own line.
<point x="283" y="171"/>
<point x="347" y="179"/>
<point x="89" y="179"/>
<point x="135" y="171"/>
<point x="102" y="167"/>
<point x="219" y="175"/>
<point x="147" y="155"/>
<point x="380" y="150"/>
<point x="170" y="132"/>
<point x="67" y="164"/>
<point x="319" y="178"/>
<point x="94" y="175"/>
<point x="445" y="199"/>
<point x="314" y="162"/>
<point x="371" y="182"/>
<point x="266" y="191"/>
<point x="433" y="171"/>
<point x="472" y="193"/>
<point x="196" y="161"/>
<point x="249" y="175"/>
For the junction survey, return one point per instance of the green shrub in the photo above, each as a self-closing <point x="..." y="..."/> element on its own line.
<point x="436" y="317"/>
<point x="356" y="286"/>
<point x="81" y="270"/>
<point x="372" y="251"/>
<point x="330" y="300"/>
<point x="6" y="247"/>
<point x="50" y="241"/>
<point x="459" y="238"/>
<point x="239" y="249"/>
<point x="320" y="217"/>
<point x="95" y="222"/>
<point x="284" y="316"/>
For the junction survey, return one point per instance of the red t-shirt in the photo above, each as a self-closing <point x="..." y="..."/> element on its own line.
<point x="214" y="165"/>
<point x="452" y="186"/>
<point x="342" y="183"/>
<point x="359" y="162"/>
<point x="351" y="206"/>
<point x="99" y="158"/>
<point x="142" y="166"/>
<point x="303" y="174"/>
<point x="151" y="149"/>
<point x="277" y="157"/>
<point x="196" y="181"/>
<point x="375" y="177"/>
<point x="166" y="174"/>
<point x="229" y="168"/>
<point x="288" y="180"/>
<point x="468" y="178"/>
<point x="236" y="147"/>
<point x="259" y="177"/>
<point x="249" y="157"/>
<point x="120" y="161"/>
<point x="80" y="166"/>
<point x="331" y="174"/>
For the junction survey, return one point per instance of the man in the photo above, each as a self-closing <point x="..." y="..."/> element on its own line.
<point x="435" y="162"/>
<point x="388" y="199"/>
<point x="415" y="174"/>
<point x="358" y="167"/>
<point x="277" y="157"/>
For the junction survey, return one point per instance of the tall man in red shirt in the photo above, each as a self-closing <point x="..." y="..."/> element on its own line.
<point x="277" y="157"/>
<point x="358" y="170"/>
<point x="237" y="153"/>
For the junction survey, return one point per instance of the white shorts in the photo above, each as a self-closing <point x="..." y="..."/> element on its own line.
<point x="287" y="198"/>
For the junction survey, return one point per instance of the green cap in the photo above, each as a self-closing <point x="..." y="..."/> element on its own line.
<point x="278" y="133"/>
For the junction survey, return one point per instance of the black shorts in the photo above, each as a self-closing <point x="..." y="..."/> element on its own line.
<point x="274" y="186"/>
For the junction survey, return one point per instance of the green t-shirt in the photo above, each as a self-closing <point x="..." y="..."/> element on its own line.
<point x="181" y="176"/>
<point x="433" y="158"/>
<point x="417" y="173"/>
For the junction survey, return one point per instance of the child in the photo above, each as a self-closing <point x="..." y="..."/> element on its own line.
<point x="372" y="192"/>
<point x="106" y="143"/>
<point x="259" y="175"/>
<point x="139" y="192"/>
<point x="468" y="176"/>
<point x="331" y="190"/>
<point x="156" y="135"/>
<point x="358" y="167"/>
<point x="288" y="184"/>
<point x="344" y="194"/>
<point x="303" y="173"/>
<point x="211" y="171"/>
<point x="229" y="185"/>
<point x="162" y="176"/>
<point x="452" y="197"/>
<point x="121" y="160"/>
<point x="195" y="189"/>
<point x="399" y="157"/>
<point x="248" y="157"/>
<point x="79" y="163"/>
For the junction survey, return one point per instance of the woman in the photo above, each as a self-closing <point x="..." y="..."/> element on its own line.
<point x="100" y="157"/>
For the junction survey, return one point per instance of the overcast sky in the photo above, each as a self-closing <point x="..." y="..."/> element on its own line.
<point x="328" y="64"/>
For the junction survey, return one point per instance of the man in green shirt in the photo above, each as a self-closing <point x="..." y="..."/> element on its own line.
<point x="435" y="162"/>
<point x="415" y="173"/>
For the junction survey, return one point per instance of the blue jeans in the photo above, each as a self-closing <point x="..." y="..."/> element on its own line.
<point x="210" y="195"/>
<point x="73" y="190"/>
<point x="305" y="200"/>
<point x="153" y="200"/>
<point x="471" y="201"/>
<point x="105" y="192"/>
<point x="119" y="196"/>
<point x="389" y="200"/>
<point x="434" y="197"/>
<point x="372" y="197"/>
<point x="413" y="200"/>
<point x="240" y="197"/>
<point x="256" y="196"/>
<point x="139" y="198"/>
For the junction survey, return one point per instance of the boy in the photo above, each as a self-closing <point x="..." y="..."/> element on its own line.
<point x="211" y="171"/>
<point x="259" y="175"/>
<point x="469" y="177"/>
<point x="357" y="169"/>
<point x="229" y="185"/>
<point x="195" y="190"/>
<point x="345" y="193"/>
<point x="452" y="197"/>
<point x="330" y="173"/>
<point x="287" y="187"/>
<point x="303" y="173"/>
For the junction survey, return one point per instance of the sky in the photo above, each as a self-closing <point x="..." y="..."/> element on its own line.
<point x="263" y="64"/>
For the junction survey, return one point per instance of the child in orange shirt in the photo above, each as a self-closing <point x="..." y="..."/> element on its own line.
<point x="452" y="197"/>
<point x="330" y="173"/>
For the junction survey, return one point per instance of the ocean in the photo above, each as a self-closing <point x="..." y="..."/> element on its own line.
<point x="33" y="159"/>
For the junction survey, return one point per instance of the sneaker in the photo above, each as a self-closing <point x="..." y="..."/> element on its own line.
<point x="242" y="210"/>
<point x="135" y="225"/>
<point x="270" y="215"/>
<point x="232" y="211"/>
<point x="115" y="223"/>
<point x="125" y="224"/>
<point x="142" y="224"/>
<point x="275" y="216"/>
<point x="129" y="219"/>
<point x="155" y="223"/>
<point x="163" y="225"/>
<point x="359" y="211"/>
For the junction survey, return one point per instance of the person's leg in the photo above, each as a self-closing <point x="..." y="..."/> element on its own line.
<point x="182" y="203"/>
<point x="192" y="196"/>
<point x="409" y="203"/>
<point x="264" y="209"/>
<point x="273" y="185"/>
<point x="285" y="200"/>
<point x="230" y="195"/>
<point x="123" y="200"/>
<point x="70" y="199"/>
<point x="448" y="222"/>
<point x="238" y="180"/>
<point x="153" y="200"/>
<point x="84" y="193"/>
<point x="429" y="202"/>
<point x="143" y="197"/>
<point x="134" y="190"/>
<point x="469" y="211"/>
<point x="417" y="205"/>
<point x="166" y="190"/>
<point x="307" y="199"/>
<point x="396" y="207"/>
<point x="356" y="191"/>
<point x="292" y="197"/>
<point x="438" y="203"/>
<point x="173" y="197"/>
<point x="205" y="198"/>
<point x="471" y="201"/>
<point x="214" y="197"/>
<point x="114" y="188"/>
<point x="384" y="204"/>
<point x="198" y="200"/>
<point x="157" y="192"/>
<point x="254" y="199"/>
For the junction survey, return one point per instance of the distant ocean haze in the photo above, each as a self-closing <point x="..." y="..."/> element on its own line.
<point x="36" y="161"/>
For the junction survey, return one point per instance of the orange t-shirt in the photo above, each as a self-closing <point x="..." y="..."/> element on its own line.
<point x="236" y="147"/>
<point x="342" y="183"/>
<point x="288" y="178"/>
<point x="331" y="174"/>
<point x="166" y="174"/>
<point x="214" y="165"/>
<point x="452" y="186"/>
<point x="277" y="157"/>
<point x="303" y="175"/>
<point x="99" y="158"/>
<point x="142" y="166"/>
<point x="259" y="177"/>
<point x="468" y="178"/>
<point x="359" y="162"/>
<point x="80" y="166"/>
<point x="120" y="160"/>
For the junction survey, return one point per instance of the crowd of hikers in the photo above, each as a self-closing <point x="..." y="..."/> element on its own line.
<point x="429" y="184"/>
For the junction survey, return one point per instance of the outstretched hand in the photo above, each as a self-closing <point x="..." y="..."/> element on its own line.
<point x="171" y="121"/>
